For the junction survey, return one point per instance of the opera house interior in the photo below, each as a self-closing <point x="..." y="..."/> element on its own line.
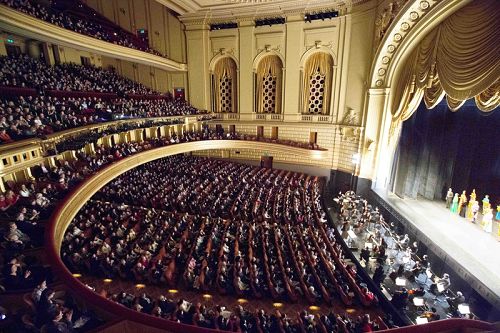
<point x="254" y="166"/>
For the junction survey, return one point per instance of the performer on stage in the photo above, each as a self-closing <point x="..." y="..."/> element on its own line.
<point x="449" y="198"/>
<point x="488" y="221"/>
<point x="473" y="195"/>
<point x="475" y="211"/>
<point x="468" y="213"/>
<point x="454" y="205"/>
<point x="461" y="202"/>
<point x="486" y="203"/>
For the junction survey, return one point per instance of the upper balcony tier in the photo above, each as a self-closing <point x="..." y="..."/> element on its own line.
<point x="19" y="23"/>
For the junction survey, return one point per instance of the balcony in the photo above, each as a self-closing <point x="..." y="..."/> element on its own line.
<point x="16" y="22"/>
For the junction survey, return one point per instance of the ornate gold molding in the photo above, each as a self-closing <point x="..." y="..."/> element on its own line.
<point x="411" y="24"/>
<point x="25" y="25"/>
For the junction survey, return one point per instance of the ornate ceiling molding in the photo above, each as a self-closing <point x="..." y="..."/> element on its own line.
<point x="415" y="19"/>
<point x="244" y="10"/>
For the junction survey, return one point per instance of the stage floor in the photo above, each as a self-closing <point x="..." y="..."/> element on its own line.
<point x="472" y="248"/>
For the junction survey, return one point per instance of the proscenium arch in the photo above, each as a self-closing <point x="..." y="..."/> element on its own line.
<point x="413" y="22"/>
<point x="410" y="26"/>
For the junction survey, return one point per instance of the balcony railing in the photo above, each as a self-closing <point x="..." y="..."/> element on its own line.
<point x="226" y="116"/>
<point x="315" y="118"/>
<point x="268" y="116"/>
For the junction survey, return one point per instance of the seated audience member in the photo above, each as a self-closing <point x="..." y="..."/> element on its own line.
<point x="59" y="322"/>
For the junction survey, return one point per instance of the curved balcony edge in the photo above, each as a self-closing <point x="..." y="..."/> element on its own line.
<point x="25" y="25"/>
<point x="23" y="143"/>
<point x="74" y="201"/>
<point x="69" y="207"/>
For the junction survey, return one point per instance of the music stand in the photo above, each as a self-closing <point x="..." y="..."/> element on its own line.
<point x="400" y="281"/>
<point x="464" y="308"/>
<point x="419" y="303"/>
<point x="422" y="320"/>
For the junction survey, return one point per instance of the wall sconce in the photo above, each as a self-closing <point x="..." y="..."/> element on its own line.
<point x="122" y="10"/>
<point x="369" y="145"/>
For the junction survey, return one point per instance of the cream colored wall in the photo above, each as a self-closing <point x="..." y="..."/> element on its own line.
<point x="165" y="31"/>
<point x="293" y="42"/>
<point x="152" y="77"/>
<point x="348" y="39"/>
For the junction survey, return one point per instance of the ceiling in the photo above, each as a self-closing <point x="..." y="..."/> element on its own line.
<point x="224" y="9"/>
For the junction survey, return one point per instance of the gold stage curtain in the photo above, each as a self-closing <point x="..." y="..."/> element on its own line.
<point x="225" y="67"/>
<point x="459" y="59"/>
<point x="490" y="98"/>
<point x="323" y="63"/>
<point x="270" y="64"/>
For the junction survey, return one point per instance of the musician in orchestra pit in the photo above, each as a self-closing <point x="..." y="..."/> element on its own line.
<point x="405" y="241"/>
<point x="400" y="299"/>
<point x="441" y="285"/>
<point x="416" y="292"/>
<point x="365" y="254"/>
<point x="455" y="301"/>
<point x="432" y="315"/>
<point x="415" y="271"/>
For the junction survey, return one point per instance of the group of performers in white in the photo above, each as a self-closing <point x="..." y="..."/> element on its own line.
<point x="470" y="210"/>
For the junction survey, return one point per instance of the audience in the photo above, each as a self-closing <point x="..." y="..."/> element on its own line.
<point x="244" y="256"/>
<point x="26" y="72"/>
<point x="78" y="17"/>
<point x="25" y="117"/>
<point x="152" y="224"/>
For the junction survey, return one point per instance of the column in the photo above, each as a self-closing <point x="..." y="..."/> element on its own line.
<point x="198" y="61"/>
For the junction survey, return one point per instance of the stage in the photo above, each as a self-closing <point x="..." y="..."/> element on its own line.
<point x="472" y="253"/>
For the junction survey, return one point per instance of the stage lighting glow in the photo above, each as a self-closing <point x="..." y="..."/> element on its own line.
<point x="107" y="280"/>
<point x="278" y="305"/>
<point x="400" y="282"/>
<point x="242" y="301"/>
<point x="350" y="310"/>
<point x="314" y="308"/>
<point x="173" y="291"/>
<point x="207" y="296"/>
<point x="464" y="308"/>
<point x="140" y="286"/>
<point x="76" y="275"/>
